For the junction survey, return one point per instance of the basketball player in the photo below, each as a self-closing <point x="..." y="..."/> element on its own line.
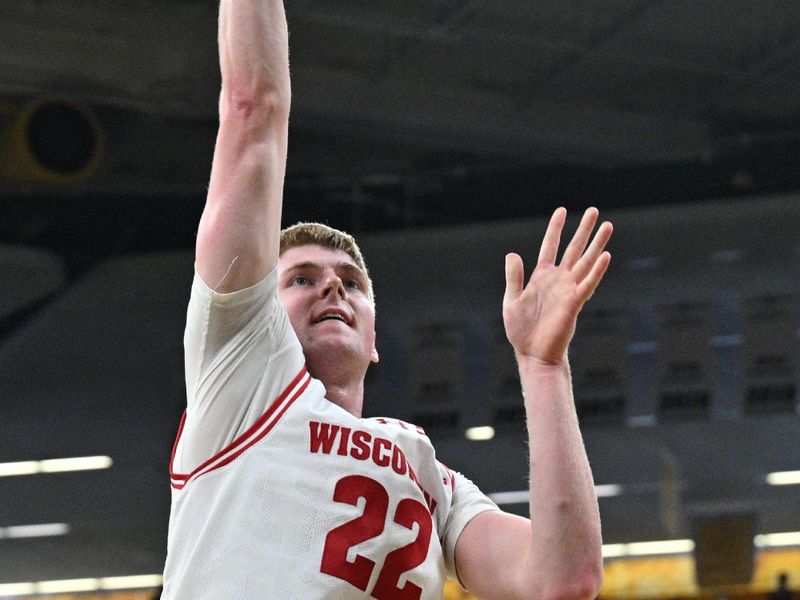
<point x="280" y="488"/>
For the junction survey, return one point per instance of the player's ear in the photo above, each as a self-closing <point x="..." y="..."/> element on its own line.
<point x="373" y="356"/>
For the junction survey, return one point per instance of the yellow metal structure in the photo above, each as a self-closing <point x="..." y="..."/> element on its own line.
<point x="50" y="140"/>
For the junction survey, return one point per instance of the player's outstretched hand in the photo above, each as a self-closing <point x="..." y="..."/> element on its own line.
<point x="540" y="317"/>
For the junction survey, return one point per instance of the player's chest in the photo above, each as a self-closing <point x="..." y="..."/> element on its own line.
<point x="372" y="503"/>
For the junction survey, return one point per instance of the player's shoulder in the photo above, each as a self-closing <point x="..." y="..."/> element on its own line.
<point x="397" y="425"/>
<point x="411" y="438"/>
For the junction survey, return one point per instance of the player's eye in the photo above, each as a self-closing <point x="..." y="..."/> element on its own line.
<point x="352" y="284"/>
<point x="300" y="280"/>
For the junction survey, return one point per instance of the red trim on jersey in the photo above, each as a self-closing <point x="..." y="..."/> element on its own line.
<point x="451" y="477"/>
<point x="175" y="446"/>
<point x="253" y="434"/>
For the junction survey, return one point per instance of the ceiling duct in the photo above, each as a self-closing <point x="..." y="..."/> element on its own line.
<point x="50" y="140"/>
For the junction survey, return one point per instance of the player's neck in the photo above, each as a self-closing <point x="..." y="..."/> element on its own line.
<point x="343" y="387"/>
<point x="348" y="399"/>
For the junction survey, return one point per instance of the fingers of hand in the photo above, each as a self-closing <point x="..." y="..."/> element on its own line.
<point x="589" y="284"/>
<point x="552" y="237"/>
<point x="515" y="276"/>
<point x="586" y="263"/>
<point x="578" y="244"/>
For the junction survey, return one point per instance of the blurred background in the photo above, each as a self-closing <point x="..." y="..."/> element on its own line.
<point x="442" y="134"/>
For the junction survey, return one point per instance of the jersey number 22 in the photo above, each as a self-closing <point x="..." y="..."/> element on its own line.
<point x="369" y="525"/>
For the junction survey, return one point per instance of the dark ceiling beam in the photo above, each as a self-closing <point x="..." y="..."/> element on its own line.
<point x="493" y="124"/>
<point x="446" y="35"/>
<point x="598" y="41"/>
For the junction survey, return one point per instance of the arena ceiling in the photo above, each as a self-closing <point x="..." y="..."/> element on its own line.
<point x="402" y="111"/>
<point x="404" y="115"/>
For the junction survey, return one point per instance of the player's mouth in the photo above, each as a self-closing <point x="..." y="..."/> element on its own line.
<point x="332" y="314"/>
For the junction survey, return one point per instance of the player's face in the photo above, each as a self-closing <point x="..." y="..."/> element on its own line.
<point x="325" y="295"/>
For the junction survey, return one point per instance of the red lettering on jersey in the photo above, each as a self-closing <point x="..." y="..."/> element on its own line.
<point x="428" y="498"/>
<point x="322" y="434"/>
<point x="449" y="477"/>
<point x="431" y="504"/>
<point x="412" y="475"/>
<point x="379" y="444"/>
<point x="401" y="425"/>
<point x="360" y="449"/>
<point x="344" y="439"/>
<point x="361" y="445"/>
<point x="399" y="463"/>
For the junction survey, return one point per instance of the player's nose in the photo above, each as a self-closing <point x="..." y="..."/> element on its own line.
<point x="332" y="284"/>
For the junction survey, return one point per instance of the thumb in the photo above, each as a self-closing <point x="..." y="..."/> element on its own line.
<point x="515" y="276"/>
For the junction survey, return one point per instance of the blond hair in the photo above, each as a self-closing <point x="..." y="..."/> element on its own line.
<point x="303" y="234"/>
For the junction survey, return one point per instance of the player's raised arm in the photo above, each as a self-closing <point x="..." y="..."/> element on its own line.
<point x="556" y="555"/>
<point x="237" y="241"/>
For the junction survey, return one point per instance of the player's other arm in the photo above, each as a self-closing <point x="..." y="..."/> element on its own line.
<point x="238" y="236"/>
<point x="557" y="553"/>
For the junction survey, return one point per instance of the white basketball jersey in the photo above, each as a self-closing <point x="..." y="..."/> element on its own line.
<point x="279" y="493"/>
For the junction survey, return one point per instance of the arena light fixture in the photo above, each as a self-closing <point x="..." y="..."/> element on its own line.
<point x="17" y="589"/>
<point x="784" y="478"/>
<point x="648" y="548"/>
<point x="32" y="531"/>
<point x="55" y="465"/>
<point x="773" y="540"/>
<point x="606" y="490"/>
<point x="763" y="540"/>
<point x="513" y="497"/>
<point x="62" y="586"/>
<point x="27" y="467"/>
<point x="89" y="584"/>
<point x="131" y="582"/>
<point x="480" y="434"/>
<point x="80" y="463"/>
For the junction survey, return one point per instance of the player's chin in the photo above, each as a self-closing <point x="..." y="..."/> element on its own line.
<point x="334" y="343"/>
<point x="337" y="331"/>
